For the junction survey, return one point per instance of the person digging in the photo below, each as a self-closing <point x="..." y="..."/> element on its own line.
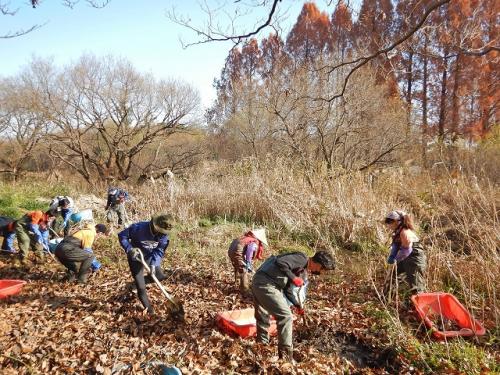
<point x="145" y="244"/>
<point x="269" y="286"/>
<point x="77" y="248"/>
<point x="32" y="232"/>
<point x="242" y="253"/>
<point x="63" y="205"/>
<point x="406" y="253"/>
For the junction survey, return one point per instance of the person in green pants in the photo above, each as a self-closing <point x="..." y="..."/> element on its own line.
<point x="270" y="284"/>
<point x="406" y="252"/>
<point x="32" y="232"/>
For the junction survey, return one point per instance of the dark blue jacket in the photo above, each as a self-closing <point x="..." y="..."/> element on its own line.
<point x="140" y="235"/>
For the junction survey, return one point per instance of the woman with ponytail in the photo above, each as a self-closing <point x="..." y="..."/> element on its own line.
<point x="406" y="250"/>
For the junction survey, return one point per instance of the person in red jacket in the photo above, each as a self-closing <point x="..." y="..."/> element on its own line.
<point x="242" y="252"/>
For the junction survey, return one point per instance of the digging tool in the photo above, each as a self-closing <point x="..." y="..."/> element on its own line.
<point x="175" y="307"/>
<point x="304" y="318"/>
<point x="388" y="281"/>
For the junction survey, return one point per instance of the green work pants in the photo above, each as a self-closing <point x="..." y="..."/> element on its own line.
<point x="119" y="211"/>
<point x="27" y="240"/>
<point x="269" y="300"/>
<point x="414" y="267"/>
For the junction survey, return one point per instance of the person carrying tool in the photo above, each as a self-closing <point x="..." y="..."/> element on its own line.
<point x="242" y="252"/>
<point x="406" y="251"/>
<point x="63" y="205"/>
<point x="32" y="231"/>
<point x="8" y="232"/>
<point x="115" y="205"/>
<point x="272" y="281"/>
<point x="77" y="248"/>
<point x="151" y="239"/>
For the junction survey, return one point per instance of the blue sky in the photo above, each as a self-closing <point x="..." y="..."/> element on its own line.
<point x="138" y="30"/>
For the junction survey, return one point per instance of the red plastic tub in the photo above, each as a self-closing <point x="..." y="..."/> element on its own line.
<point x="434" y="308"/>
<point x="241" y="322"/>
<point x="10" y="287"/>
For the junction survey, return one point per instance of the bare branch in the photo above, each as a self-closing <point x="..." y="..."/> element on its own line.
<point x="361" y="61"/>
<point x="216" y="35"/>
<point x="18" y="33"/>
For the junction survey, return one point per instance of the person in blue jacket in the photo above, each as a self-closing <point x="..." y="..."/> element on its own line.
<point x="8" y="232"/>
<point x="151" y="239"/>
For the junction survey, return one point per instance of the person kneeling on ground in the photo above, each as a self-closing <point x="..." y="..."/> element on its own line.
<point x="406" y="251"/>
<point x="151" y="239"/>
<point x="8" y="232"/>
<point x="270" y="284"/>
<point x="32" y="231"/>
<point x="242" y="252"/>
<point x="78" y="248"/>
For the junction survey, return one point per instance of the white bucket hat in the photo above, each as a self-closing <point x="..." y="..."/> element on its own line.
<point x="260" y="234"/>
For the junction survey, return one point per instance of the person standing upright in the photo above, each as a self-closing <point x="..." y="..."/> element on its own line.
<point x="115" y="205"/>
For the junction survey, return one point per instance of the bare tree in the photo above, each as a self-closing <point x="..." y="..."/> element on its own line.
<point x="21" y="124"/>
<point x="104" y="114"/>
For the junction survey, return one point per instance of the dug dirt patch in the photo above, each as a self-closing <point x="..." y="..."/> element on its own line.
<point x="349" y="347"/>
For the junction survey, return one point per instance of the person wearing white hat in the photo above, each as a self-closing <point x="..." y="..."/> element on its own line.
<point x="406" y="250"/>
<point x="243" y="251"/>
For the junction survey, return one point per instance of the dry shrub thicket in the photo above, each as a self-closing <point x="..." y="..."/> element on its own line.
<point x="457" y="218"/>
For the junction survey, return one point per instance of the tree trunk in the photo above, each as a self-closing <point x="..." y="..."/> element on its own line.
<point x="424" y="105"/>
<point x="442" y="104"/>
<point x="409" y="84"/>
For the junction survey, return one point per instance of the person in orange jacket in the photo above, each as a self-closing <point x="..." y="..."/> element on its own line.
<point x="32" y="231"/>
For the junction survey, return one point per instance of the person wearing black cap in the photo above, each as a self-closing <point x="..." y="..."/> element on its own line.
<point x="77" y="248"/>
<point x="151" y="239"/>
<point x="272" y="282"/>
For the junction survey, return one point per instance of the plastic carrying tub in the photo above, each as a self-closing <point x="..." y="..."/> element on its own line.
<point x="10" y="287"/>
<point x="435" y="307"/>
<point x="241" y="323"/>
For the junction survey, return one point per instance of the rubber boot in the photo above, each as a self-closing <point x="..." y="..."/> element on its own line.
<point x="244" y="285"/>
<point x="70" y="276"/>
<point x="286" y="355"/>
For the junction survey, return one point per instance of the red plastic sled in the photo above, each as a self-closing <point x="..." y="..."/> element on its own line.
<point x="241" y="322"/>
<point x="10" y="287"/>
<point x="436" y="307"/>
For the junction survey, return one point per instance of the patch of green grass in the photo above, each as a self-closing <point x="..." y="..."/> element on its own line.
<point x="16" y="200"/>
<point x="205" y="223"/>
<point x="458" y="354"/>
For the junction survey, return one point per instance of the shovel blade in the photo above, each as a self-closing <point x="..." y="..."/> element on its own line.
<point x="176" y="309"/>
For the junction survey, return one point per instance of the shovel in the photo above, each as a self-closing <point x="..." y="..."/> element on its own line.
<point x="174" y="306"/>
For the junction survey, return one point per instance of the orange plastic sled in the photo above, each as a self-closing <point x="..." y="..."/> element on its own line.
<point x="241" y="323"/>
<point x="10" y="287"/>
<point x="434" y="308"/>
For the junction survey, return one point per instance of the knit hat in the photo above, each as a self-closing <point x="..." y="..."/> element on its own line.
<point x="260" y="234"/>
<point x="162" y="223"/>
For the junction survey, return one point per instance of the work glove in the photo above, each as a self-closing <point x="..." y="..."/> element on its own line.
<point x="135" y="254"/>
<point x="248" y="267"/>
<point x="297" y="281"/>
<point x="298" y="310"/>
<point x="391" y="259"/>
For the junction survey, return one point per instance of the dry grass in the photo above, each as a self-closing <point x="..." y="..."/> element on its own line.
<point x="458" y="217"/>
